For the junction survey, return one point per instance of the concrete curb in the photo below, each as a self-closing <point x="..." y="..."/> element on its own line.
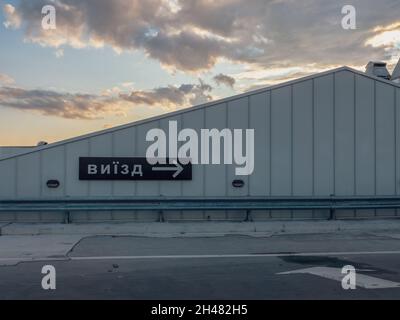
<point x="15" y="249"/>
<point x="204" y="229"/>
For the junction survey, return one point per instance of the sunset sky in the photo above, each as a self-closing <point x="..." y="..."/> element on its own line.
<point x="111" y="62"/>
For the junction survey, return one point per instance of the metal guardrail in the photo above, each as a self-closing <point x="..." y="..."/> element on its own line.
<point x="168" y="204"/>
<point x="248" y="204"/>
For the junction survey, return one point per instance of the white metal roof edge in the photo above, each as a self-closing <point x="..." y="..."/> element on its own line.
<point x="20" y="147"/>
<point x="201" y="106"/>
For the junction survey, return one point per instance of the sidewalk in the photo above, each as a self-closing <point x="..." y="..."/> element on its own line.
<point x="42" y="242"/>
<point x="196" y="229"/>
<point x="15" y="249"/>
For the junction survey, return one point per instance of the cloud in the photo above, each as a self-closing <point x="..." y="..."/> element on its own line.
<point x="171" y="97"/>
<point x="114" y="102"/>
<point x="6" y="79"/>
<point x="388" y="39"/>
<point x="65" y="105"/>
<point x="193" y="35"/>
<point x="224" y="79"/>
<point x="127" y="84"/>
<point x="157" y="27"/>
<point x="59" y="53"/>
<point x="13" y="19"/>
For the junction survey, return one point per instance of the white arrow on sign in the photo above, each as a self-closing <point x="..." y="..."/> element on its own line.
<point x="362" y="280"/>
<point x="177" y="168"/>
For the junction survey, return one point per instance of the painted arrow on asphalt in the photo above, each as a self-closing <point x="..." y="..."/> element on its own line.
<point x="177" y="168"/>
<point x="362" y="280"/>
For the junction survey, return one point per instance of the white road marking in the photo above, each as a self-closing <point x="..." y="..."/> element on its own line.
<point x="362" y="280"/>
<point x="251" y="255"/>
<point x="204" y="256"/>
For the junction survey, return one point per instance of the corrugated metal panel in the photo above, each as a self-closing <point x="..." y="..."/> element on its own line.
<point x="6" y="152"/>
<point x="166" y="188"/>
<point x="323" y="135"/>
<point x="344" y="137"/>
<point x="331" y="134"/>
<point x="385" y="143"/>
<point x="365" y="140"/>
<point x="196" y="121"/>
<point x="303" y="143"/>
<point x="281" y="145"/>
<point x="73" y="187"/>
<point x="215" y="176"/>
<point x="397" y="117"/>
<point x="124" y="142"/>
<point x="238" y="117"/>
<point x="260" y="121"/>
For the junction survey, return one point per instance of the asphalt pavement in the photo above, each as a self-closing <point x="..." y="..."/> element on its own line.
<point x="228" y="267"/>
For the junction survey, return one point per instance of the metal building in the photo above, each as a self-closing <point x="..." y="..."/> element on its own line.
<point x="333" y="134"/>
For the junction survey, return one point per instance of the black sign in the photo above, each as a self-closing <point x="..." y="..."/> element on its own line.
<point x="132" y="169"/>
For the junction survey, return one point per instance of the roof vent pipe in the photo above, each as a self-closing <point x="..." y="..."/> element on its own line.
<point x="377" y="69"/>
<point x="396" y="73"/>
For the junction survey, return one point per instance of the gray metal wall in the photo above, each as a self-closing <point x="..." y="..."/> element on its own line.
<point x="336" y="134"/>
<point x="12" y="151"/>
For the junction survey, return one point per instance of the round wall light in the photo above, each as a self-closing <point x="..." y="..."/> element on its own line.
<point x="238" y="183"/>
<point x="53" y="184"/>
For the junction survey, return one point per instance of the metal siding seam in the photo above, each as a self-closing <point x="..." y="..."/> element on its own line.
<point x="202" y="166"/>
<point x="395" y="144"/>
<point x="354" y="139"/>
<point x="395" y="139"/>
<point x="15" y="215"/>
<point x="40" y="181"/>
<point x="249" y="113"/>
<point x="181" y="126"/>
<point x="313" y="142"/>
<point x="17" y="218"/>
<point x="89" y="146"/>
<point x="375" y="140"/>
<point x="334" y="133"/>
<point x="270" y="143"/>
<point x="40" y="174"/>
<point x="266" y="141"/>
<point x="16" y="177"/>
<point x="135" y="143"/>
<point x="313" y="136"/>
<point x="113" y="153"/>
<point x="226" y="106"/>
<point x="375" y="213"/>
<point x="64" y="176"/>
<point x="181" y="121"/>
<point x="64" y="151"/>
<point x="248" y="127"/>
<point x="159" y="184"/>
<point x="270" y="147"/>
<point x="291" y="146"/>
<point x="89" y="151"/>
<point x="112" y="212"/>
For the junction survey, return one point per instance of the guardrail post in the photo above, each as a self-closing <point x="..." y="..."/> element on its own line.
<point x="332" y="209"/>
<point x="161" y="216"/>
<point x="249" y="218"/>
<point x="332" y="214"/>
<point x="67" y="217"/>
